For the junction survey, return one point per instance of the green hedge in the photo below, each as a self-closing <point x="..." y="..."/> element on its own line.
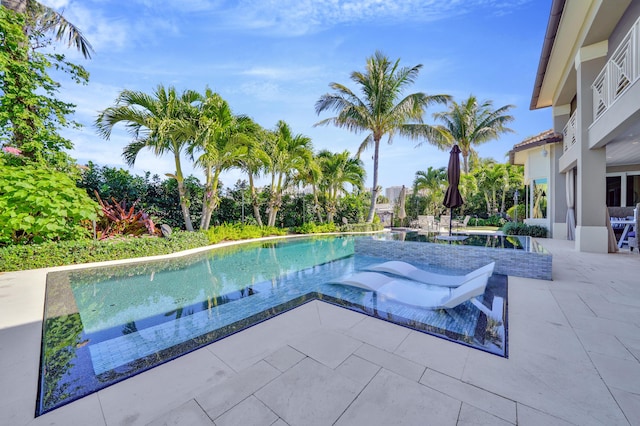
<point x="313" y="228"/>
<point x="238" y="231"/>
<point x="362" y="227"/>
<point x="519" y="228"/>
<point x="33" y="256"/>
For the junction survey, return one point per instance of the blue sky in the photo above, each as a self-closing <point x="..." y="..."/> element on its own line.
<point x="273" y="59"/>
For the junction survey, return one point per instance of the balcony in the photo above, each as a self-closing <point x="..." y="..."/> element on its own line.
<point x="569" y="133"/>
<point x="619" y="74"/>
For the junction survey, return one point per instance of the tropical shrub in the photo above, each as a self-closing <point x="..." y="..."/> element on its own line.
<point x="49" y="254"/>
<point x="234" y="232"/>
<point x="39" y="204"/>
<point x="117" y="220"/>
<point x="362" y="227"/>
<point x="522" y="211"/>
<point x="490" y="221"/>
<point x="313" y="228"/>
<point x="519" y="228"/>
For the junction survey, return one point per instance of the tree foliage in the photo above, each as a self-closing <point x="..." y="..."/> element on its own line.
<point x="30" y="113"/>
<point x="37" y="205"/>
<point x="381" y="110"/>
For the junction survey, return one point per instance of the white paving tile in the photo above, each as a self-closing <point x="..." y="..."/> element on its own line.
<point x="284" y="358"/>
<point x="435" y="353"/>
<point x="413" y="404"/>
<point x="222" y="397"/>
<point x="358" y="369"/>
<point x="491" y="403"/>
<point x="161" y="389"/>
<point x="327" y="346"/>
<point x="189" y="413"/>
<point x="379" y="333"/>
<point x="392" y="362"/>
<point x="309" y="394"/>
<point x="473" y="416"/>
<point x="250" y="412"/>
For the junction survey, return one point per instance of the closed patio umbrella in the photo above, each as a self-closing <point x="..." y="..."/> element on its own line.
<point x="452" y="197"/>
<point x="402" y="198"/>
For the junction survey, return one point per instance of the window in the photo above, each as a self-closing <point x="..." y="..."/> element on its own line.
<point x="633" y="190"/>
<point x="614" y="191"/>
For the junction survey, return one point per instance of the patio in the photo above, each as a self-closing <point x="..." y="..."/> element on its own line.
<point x="574" y="358"/>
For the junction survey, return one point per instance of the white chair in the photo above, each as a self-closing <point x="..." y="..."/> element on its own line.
<point x="445" y="221"/>
<point x="426" y="297"/>
<point x="407" y="270"/>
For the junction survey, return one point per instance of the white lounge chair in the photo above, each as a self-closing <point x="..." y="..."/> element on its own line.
<point x="422" y="296"/>
<point x="407" y="270"/>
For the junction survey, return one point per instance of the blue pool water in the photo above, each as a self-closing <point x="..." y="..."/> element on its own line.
<point x="105" y="324"/>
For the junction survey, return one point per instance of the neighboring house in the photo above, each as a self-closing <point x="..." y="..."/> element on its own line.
<point x="539" y="156"/>
<point x="589" y="73"/>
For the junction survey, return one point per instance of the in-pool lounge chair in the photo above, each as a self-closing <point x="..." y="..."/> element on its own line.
<point x="417" y="295"/>
<point x="407" y="270"/>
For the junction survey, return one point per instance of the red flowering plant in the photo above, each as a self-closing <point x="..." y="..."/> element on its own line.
<point x="118" y="220"/>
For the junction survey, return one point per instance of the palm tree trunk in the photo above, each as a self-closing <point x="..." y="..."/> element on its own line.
<point x="182" y="194"/>
<point x="374" y="189"/>
<point x="18" y="6"/>
<point x="211" y="201"/>
<point x="316" y="203"/>
<point x="254" y="200"/>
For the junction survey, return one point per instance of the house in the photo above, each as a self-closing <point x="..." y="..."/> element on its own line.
<point x="589" y="74"/>
<point x="539" y="156"/>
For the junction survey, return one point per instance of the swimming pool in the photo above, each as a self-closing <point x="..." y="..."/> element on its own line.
<point x="103" y="325"/>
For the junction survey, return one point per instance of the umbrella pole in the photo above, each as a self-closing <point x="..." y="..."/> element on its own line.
<point x="450" y="219"/>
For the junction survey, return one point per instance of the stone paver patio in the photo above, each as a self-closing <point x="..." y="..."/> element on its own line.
<point x="574" y="358"/>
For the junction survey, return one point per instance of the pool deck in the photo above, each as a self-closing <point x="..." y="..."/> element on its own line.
<point x="574" y="358"/>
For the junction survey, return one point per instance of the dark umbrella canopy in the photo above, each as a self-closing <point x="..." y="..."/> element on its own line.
<point x="452" y="197"/>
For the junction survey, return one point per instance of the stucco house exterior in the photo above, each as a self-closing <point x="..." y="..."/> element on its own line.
<point x="589" y="74"/>
<point x="539" y="155"/>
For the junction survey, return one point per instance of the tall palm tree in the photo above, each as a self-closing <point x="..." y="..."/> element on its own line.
<point x="471" y="123"/>
<point x="338" y="169"/>
<point x="159" y="122"/>
<point x="380" y="111"/>
<point x="289" y="153"/>
<point x="254" y="163"/>
<point x="222" y="140"/>
<point x="43" y="19"/>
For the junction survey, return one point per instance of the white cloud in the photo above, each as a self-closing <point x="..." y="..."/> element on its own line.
<point x="297" y="17"/>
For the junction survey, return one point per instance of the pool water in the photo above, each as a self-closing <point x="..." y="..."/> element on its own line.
<point x="103" y="325"/>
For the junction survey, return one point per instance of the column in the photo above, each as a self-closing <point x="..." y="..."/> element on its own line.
<point x="591" y="231"/>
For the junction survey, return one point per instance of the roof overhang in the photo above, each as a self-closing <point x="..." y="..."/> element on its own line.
<point x="573" y="24"/>
<point x="517" y="155"/>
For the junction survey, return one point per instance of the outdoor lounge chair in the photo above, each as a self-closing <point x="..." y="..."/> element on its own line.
<point x="421" y="296"/>
<point x="407" y="270"/>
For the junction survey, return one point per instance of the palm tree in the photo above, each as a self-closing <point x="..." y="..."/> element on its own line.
<point x="432" y="183"/>
<point x="43" y="19"/>
<point x="491" y="177"/>
<point x="338" y="169"/>
<point x="380" y="111"/>
<point x="254" y="163"/>
<point x="288" y="153"/>
<point x="470" y="123"/>
<point x="223" y="140"/>
<point x="159" y="122"/>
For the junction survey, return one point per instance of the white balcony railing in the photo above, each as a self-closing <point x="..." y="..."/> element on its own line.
<point x="569" y="133"/>
<point x="620" y="72"/>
